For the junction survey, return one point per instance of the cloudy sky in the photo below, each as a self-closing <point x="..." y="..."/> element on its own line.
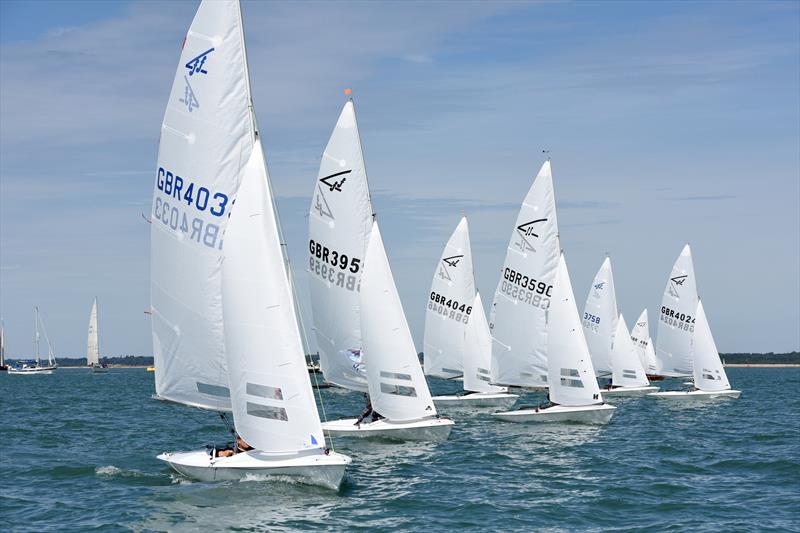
<point x="667" y="122"/>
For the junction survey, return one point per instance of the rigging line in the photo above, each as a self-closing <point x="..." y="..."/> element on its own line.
<point x="322" y="406"/>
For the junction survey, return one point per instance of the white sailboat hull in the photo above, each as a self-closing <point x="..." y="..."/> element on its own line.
<point x="585" y="414"/>
<point x="427" y="429"/>
<point x="502" y="400"/>
<point x="695" y="394"/>
<point x="31" y="371"/>
<point x="628" y="391"/>
<point x="315" y="469"/>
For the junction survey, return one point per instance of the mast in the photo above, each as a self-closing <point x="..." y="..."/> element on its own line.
<point x="284" y="249"/>
<point x="36" y="337"/>
<point x="2" y="343"/>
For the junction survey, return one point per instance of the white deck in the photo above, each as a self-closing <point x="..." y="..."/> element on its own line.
<point x="628" y="391"/>
<point x="696" y="394"/>
<point x="427" y="429"/>
<point x="585" y="414"/>
<point x="499" y="400"/>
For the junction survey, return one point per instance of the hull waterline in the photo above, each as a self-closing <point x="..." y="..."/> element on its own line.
<point x="628" y="391"/>
<point x="586" y="414"/>
<point x="499" y="400"/>
<point x="695" y="395"/>
<point x="429" y="429"/>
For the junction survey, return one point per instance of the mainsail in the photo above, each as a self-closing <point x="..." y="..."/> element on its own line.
<point x="93" y="343"/>
<point x="273" y="404"/>
<point x="397" y="386"/>
<point x="478" y="351"/>
<point x="206" y="139"/>
<point x="518" y="318"/>
<point x="570" y="372"/>
<point x="640" y="335"/>
<point x="677" y="321"/>
<point x="449" y="306"/>
<point x="627" y="367"/>
<point x="708" y="372"/>
<point x="339" y="223"/>
<point x="600" y="317"/>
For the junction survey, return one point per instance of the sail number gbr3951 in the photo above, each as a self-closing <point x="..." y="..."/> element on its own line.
<point x="334" y="267"/>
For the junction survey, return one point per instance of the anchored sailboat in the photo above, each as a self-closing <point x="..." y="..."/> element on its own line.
<point x="339" y="223"/>
<point x="640" y="335"/>
<point x="35" y="366"/>
<point x="710" y="379"/>
<point x="676" y="323"/>
<point x="225" y="331"/>
<point x="600" y="317"/>
<point x="93" y="343"/>
<point x="628" y="377"/>
<point x="573" y="394"/>
<point x="397" y="386"/>
<point x="518" y="318"/>
<point x="457" y="337"/>
<point x="2" y="346"/>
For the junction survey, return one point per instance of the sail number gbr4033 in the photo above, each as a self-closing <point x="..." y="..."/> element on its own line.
<point x="183" y="195"/>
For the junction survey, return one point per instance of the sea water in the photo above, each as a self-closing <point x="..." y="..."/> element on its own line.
<point x="78" y="454"/>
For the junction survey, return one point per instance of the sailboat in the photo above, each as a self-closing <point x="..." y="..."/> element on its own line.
<point x="225" y="331"/>
<point x="477" y="357"/>
<point x="35" y="366"/>
<point x="640" y="335"/>
<point x="573" y="394"/>
<point x="397" y="386"/>
<point x="676" y="323"/>
<point x="628" y="376"/>
<point x="600" y="317"/>
<point x="710" y="380"/>
<point x="93" y="344"/>
<point x="518" y="318"/>
<point x="457" y="333"/>
<point x="339" y="224"/>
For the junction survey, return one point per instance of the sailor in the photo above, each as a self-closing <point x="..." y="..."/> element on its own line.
<point x="239" y="446"/>
<point x="368" y="411"/>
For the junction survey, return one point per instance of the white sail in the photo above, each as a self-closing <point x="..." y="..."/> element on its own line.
<point x="478" y="351"/>
<point x="2" y="344"/>
<point x="449" y="306"/>
<point x="273" y="404"/>
<point x="93" y="344"/>
<point x="708" y="372"/>
<point x="627" y="367"/>
<point x="339" y="223"/>
<point x="640" y="335"/>
<point x="518" y="318"/>
<point x="677" y="321"/>
<point x="570" y="372"/>
<point x="600" y="317"/>
<point x="397" y="386"/>
<point x="206" y="139"/>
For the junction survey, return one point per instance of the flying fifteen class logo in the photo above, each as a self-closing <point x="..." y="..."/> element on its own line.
<point x="452" y="262"/>
<point x="196" y="64"/>
<point x="333" y="184"/>
<point x="598" y="287"/>
<point x="676" y="282"/>
<point x="525" y="232"/>
<point x="189" y="99"/>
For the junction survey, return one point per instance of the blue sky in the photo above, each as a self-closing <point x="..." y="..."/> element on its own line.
<point x="667" y="122"/>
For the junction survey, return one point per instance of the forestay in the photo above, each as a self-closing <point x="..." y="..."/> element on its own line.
<point x="677" y="321"/>
<point x="640" y="335"/>
<point x="600" y="317"/>
<point x="450" y="306"/>
<point x="273" y="404"/>
<point x="518" y="318"/>
<point x="206" y="139"/>
<point x="397" y="386"/>
<point x="478" y="351"/>
<point x="93" y="344"/>
<point x="627" y="367"/>
<point x="570" y="371"/>
<point x="709" y="374"/>
<point x="339" y="223"/>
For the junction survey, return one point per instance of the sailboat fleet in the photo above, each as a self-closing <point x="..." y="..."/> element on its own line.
<point x="226" y="332"/>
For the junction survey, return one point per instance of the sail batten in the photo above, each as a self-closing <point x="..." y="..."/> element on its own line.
<point x="449" y="306"/>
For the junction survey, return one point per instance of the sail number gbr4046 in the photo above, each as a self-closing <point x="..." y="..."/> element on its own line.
<point x="183" y="195"/>
<point x="334" y="267"/>
<point x="449" y="308"/>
